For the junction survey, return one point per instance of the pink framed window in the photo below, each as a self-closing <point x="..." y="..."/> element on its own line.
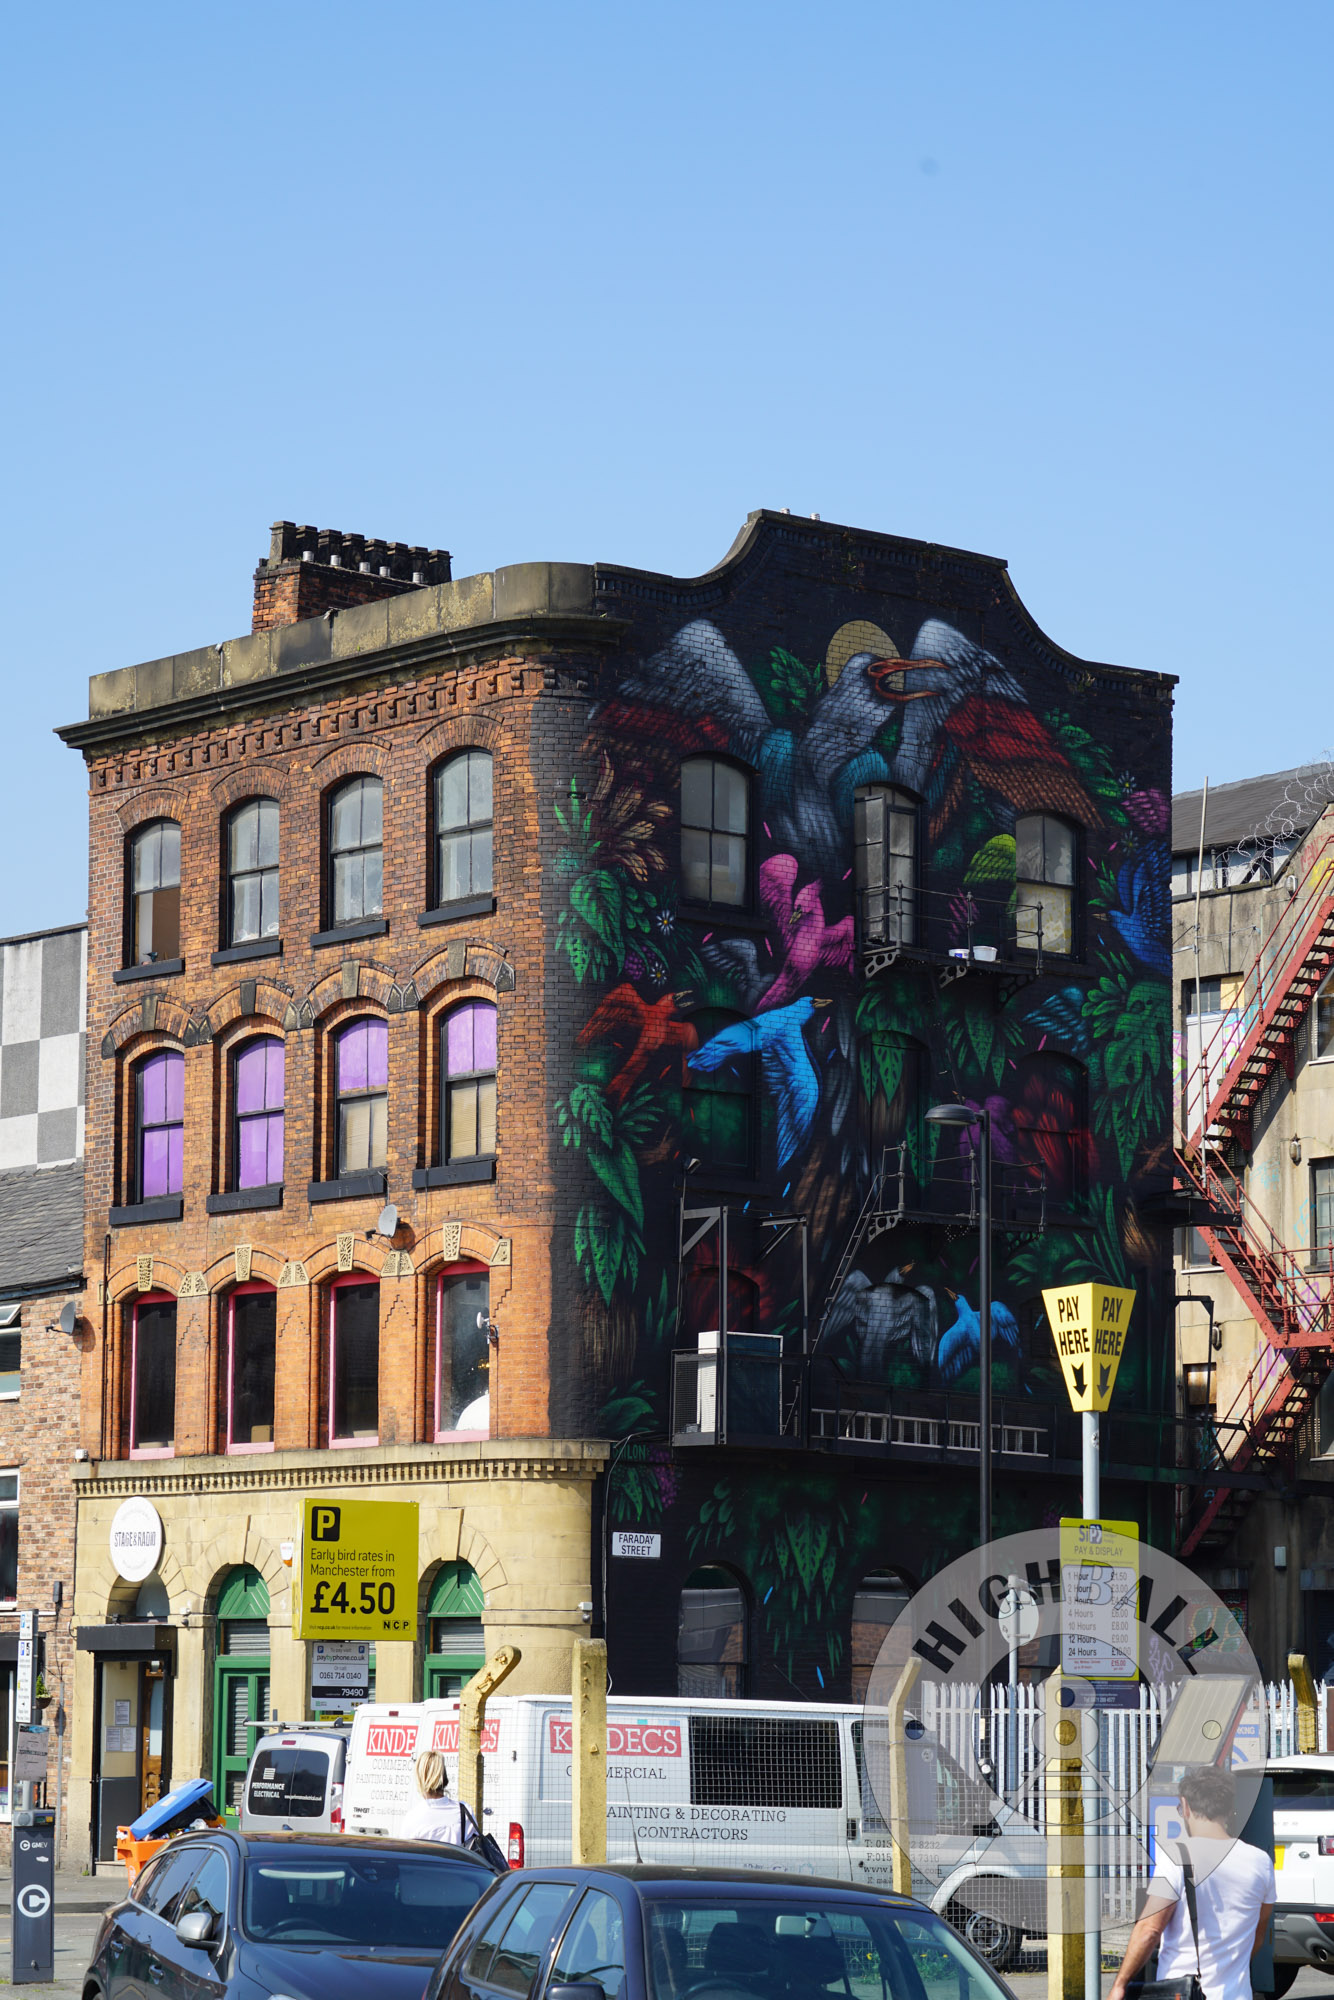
<point x="361" y="1056"/>
<point x="258" y="1077"/>
<point x="252" y="1340"/>
<point x="462" y="1353"/>
<point x="152" y="1386"/>
<point x="354" y="1362"/>
<point x="160" y="1125"/>
<point x="468" y="1102"/>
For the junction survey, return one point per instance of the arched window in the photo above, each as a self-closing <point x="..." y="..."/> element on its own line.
<point x="463" y="827"/>
<point x="252" y="871"/>
<point x="455" y="1640"/>
<point x="250" y="1359"/>
<point x="159" y="1118"/>
<point x="885" y="839"/>
<point x="361" y="1061"/>
<point x="879" y="1600"/>
<point x="717" y="1105"/>
<point x="257" y="1101"/>
<point x="715" y="831"/>
<point x="241" y="1677"/>
<point x="468" y="1095"/>
<point x="1050" y="1124"/>
<point x="155" y="893"/>
<point x="150" y="1376"/>
<point x="1045" y="858"/>
<point x="462" y="1352"/>
<point x="711" y="1635"/>
<point x="356" y="852"/>
<point x="354" y="1362"/>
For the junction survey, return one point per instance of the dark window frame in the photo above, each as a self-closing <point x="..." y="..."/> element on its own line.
<point x="133" y="840"/>
<point x="1074" y="887"/>
<point x="699" y="1085"/>
<point x="735" y="1582"/>
<point x="885" y="929"/>
<point x="1322" y="1198"/>
<point x="141" y="1128"/>
<point x="342" y="1169"/>
<point x="436" y="898"/>
<point x="444" y="1154"/>
<point x="715" y="760"/>
<point x="130" y="1365"/>
<point x="228" y="939"/>
<point x="1075" y="1135"/>
<point x="240" y="1118"/>
<point x="254" y="1288"/>
<point x="333" y="921"/>
<point x="351" y="1440"/>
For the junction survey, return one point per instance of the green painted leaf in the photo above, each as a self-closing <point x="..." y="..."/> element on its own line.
<point x="993" y="862"/>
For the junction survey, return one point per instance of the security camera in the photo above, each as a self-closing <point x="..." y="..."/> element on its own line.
<point x="585" y="1612"/>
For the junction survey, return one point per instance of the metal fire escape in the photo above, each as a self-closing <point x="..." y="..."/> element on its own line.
<point x="1292" y="1304"/>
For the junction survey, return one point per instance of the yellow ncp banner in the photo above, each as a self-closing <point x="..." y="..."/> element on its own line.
<point x="1088" y="1324"/>
<point x="358" y="1569"/>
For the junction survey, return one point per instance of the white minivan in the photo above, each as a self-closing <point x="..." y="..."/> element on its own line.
<point x="749" y="1784"/>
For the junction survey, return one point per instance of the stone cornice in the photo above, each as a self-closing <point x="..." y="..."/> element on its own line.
<point x="309" y="1471"/>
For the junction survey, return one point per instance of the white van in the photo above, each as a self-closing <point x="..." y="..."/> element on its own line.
<point x="748" y="1784"/>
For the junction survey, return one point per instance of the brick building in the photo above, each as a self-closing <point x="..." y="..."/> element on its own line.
<point x="41" y="1273"/>
<point x="542" y="905"/>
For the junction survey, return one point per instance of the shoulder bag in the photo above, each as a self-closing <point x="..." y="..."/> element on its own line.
<point x="1189" y="1987"/>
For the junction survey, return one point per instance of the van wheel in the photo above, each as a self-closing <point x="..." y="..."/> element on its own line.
<point x="994" y="1940"/>
<point x="1284" y="1974"/>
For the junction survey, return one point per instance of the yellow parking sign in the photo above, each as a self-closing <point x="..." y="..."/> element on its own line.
<point x="1088" y="1324"/>
<point x="358" y="1570"/>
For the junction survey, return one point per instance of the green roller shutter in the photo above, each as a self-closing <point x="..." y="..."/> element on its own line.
<point x="240" y="1680"/>
<point x="454" y="1627"/>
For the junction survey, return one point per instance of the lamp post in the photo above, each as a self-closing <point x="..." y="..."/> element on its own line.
<point x="967" y="1114"/>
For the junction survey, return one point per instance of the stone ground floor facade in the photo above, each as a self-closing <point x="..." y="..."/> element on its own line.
<point x="168" y="1671"/>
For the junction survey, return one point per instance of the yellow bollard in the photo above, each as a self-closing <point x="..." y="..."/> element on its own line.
<point x="900" y="1828"/>
<point x="472" y="1708"/>
<point x="1065" y="1846"/>
<point x="588" y="1790"/>
<point x="1303" y="1688"/>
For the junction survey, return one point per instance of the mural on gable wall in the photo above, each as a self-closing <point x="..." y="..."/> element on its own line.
<point x="830" y="1060"/>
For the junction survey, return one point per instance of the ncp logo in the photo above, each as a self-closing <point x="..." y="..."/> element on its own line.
<point x="325" y="1523"/>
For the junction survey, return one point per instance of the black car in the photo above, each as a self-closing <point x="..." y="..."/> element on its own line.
<point x="230" y="1916"/>
<point x="703" y="1934"/>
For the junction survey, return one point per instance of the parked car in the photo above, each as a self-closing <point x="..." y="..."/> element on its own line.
<point x="295" y="1778"/>
<point x="642" y="1933"/>
<point x="229" y="1916"/>
<point x="1303" y="1866"/>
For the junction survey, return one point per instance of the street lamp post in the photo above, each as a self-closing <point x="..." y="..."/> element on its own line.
<point x="967" y="1114"/>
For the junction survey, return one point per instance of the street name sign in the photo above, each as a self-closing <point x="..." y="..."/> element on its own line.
<point x="1088" y="1324"/>
<point x="358" y="1570"/>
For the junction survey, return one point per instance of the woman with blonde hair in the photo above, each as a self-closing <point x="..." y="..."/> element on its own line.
<point x="433" y="1814"/>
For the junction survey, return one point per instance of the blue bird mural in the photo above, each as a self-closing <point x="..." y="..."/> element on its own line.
<point x="961" y="1344"/>
<point x="1143" y="884"/>
<point x="785" y="1063"/>
<point x="1062" y="1017"/>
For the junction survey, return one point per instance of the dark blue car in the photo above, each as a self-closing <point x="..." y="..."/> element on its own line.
<point x="229" y="1916"/>
<point x="703" y="1934"/>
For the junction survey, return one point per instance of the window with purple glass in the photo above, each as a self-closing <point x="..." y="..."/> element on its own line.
<point x="160" y="1123"/>
<point x="258" y="1096"/>
<point x="362" y="1086"/>
<point x="468" y="1100"/>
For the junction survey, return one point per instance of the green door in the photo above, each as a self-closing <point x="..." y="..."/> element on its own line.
<point x="240" y="1682"/>
<point x="454" y="1630"/>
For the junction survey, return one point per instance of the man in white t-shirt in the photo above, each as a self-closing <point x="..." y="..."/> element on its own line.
<point x="1234" y="1894"/>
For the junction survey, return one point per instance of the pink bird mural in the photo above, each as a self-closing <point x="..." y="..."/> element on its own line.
<point x="805" y="940"/>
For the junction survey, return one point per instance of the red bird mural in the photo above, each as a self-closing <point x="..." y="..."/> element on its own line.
<point x="649" y="1039"/>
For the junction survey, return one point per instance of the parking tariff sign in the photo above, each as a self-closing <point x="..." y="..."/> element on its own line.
<point x="1100" y="1599"/>
<point x="358" y="1570"/>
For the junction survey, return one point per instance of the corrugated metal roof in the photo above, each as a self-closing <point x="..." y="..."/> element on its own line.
<point x="41" y="1226"/>
<point x="1279" y="802"/>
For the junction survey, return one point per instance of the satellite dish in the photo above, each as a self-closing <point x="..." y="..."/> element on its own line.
<point x="69" y="1317"/>
<point x="388" y="1222"/>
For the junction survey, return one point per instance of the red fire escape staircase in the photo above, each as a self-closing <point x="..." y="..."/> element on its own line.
<point x="1290" y="1302"/>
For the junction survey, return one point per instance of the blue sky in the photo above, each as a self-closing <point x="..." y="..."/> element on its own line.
<point x="1047" y="281"/>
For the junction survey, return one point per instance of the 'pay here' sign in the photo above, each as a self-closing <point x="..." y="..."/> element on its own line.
<point x="1088" y="1324"/>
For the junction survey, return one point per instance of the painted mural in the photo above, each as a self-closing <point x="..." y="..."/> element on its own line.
<point x="749" y="1051"/>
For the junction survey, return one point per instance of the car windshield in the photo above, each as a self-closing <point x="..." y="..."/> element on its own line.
<point x="329" y="1896"/>
<point x="807" y="1948"/>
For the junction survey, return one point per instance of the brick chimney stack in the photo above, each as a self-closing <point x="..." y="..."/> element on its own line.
<point x="312" y="570"/>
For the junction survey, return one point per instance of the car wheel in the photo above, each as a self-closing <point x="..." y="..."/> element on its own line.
<point x="1284" y="1974"/>
<point x="991" y="1937"/>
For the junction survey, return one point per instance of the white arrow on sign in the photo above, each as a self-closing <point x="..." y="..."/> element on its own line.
<point x="34" y="1901"/>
